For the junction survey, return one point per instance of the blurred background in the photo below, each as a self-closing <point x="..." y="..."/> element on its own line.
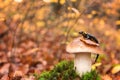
<point x="34" y="34"/>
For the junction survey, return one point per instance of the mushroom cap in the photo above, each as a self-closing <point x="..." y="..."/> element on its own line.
<point x="81" y="45"/>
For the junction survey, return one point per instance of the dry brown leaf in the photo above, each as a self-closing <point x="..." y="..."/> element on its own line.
<point x="118" y="78"/>
<point x="106" y="77"/>
<point x="107" y="68"/>
<point x="18" y="73"/>
<point x="28" y="78"/>
<point x="31" y="51"/>
<point x="89" y="42"/>
<point x="5" y="77"/>
<point x="5" y="69"/>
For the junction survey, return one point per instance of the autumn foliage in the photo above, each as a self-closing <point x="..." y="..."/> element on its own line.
<point x="34" y="34"/>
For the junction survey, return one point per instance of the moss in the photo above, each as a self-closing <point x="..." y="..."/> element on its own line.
<point x="93" y="75"/>
<point x="65" y="71"/>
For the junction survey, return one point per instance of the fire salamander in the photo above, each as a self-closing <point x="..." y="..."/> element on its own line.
<point x="90" y="37"/>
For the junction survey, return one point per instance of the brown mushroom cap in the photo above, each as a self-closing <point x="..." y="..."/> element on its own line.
<point x="81" y="45"/>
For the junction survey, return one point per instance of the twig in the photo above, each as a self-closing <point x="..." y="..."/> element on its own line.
<point x="76" y="21"/>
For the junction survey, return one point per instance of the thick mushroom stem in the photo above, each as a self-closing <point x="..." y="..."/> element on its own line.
<point x="82" y="63"/>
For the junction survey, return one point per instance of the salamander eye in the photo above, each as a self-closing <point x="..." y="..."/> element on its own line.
<point x="81" y="32"/>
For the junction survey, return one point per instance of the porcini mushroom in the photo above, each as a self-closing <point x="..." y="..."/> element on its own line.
<point x="82" y="48"/>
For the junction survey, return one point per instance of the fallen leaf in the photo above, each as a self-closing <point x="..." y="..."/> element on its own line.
<point x="107" y="68"/>
<point x="5" y="77"/>
<point x="96" y="65"/>
<point x="17" y="73"/>
<point x="5" y="69"/>
<point x="115" y="69"/>
<point x="106" y="77"/>
<point x="28" y="78"/>
<point x="31" y="51"/>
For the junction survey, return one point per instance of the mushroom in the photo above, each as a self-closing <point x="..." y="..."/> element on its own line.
<point x="82" y="48"/>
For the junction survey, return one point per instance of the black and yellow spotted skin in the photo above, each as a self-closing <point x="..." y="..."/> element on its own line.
<point x="90" y="37"/>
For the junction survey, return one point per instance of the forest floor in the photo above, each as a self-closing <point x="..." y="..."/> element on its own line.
<point x="27" y="49"/>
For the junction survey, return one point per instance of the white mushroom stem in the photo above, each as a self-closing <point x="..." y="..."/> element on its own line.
<point x="82" y="63"/>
